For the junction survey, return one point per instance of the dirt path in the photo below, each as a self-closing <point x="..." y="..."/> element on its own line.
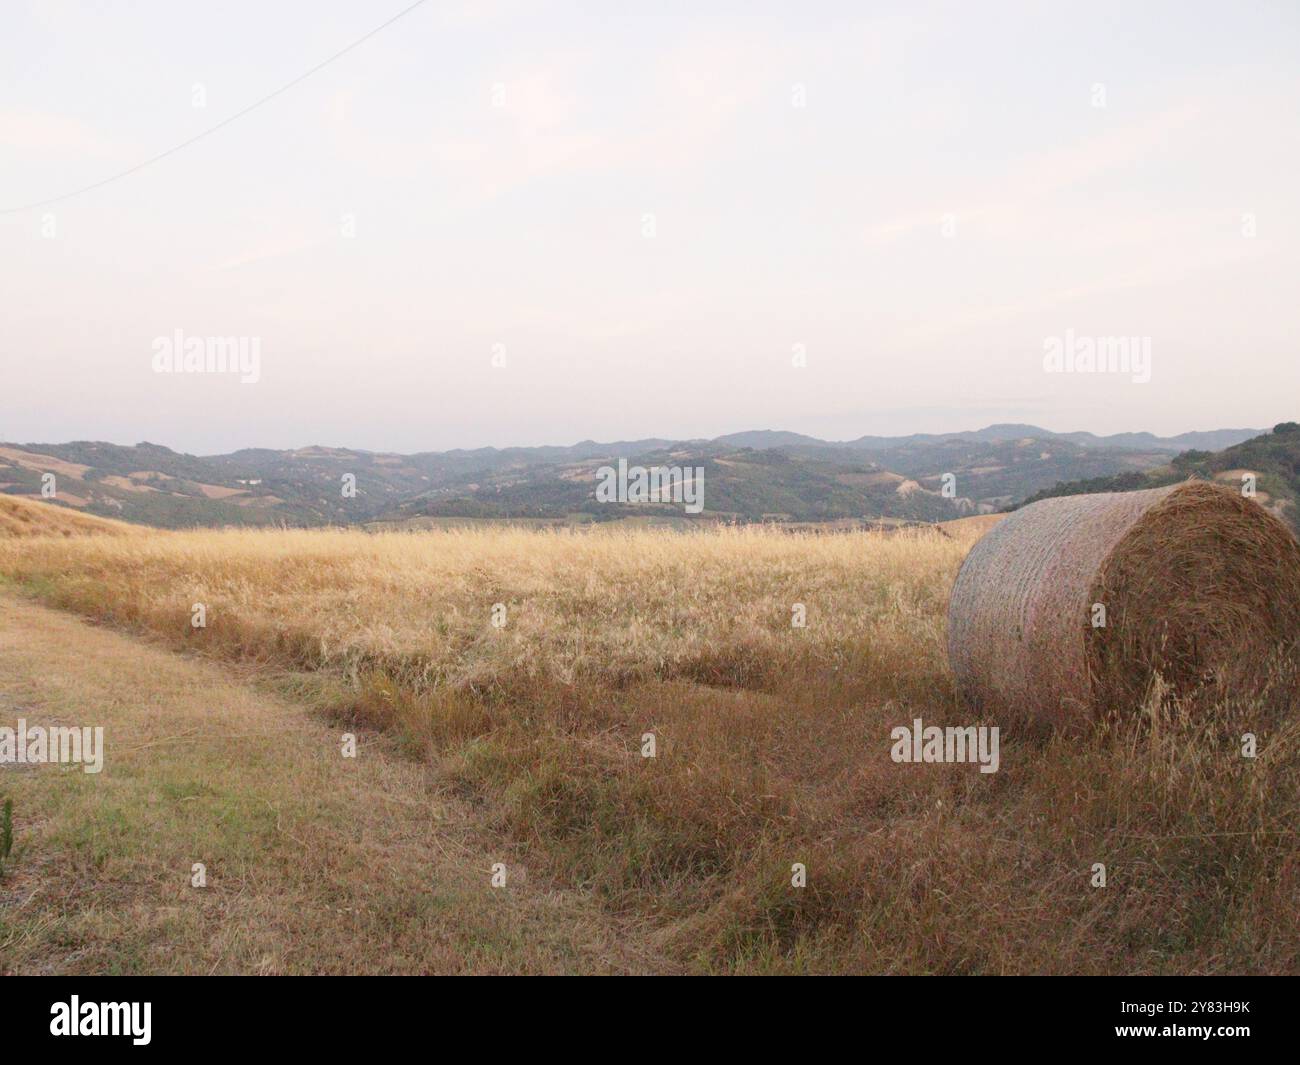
<point x="314" y="862"/>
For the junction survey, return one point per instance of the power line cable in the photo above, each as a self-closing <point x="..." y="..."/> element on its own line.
<point x="220" y="125"/>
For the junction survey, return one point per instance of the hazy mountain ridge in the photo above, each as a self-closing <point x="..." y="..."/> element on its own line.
<point x="790" y="477"/>
<point x="1211" y="440"/>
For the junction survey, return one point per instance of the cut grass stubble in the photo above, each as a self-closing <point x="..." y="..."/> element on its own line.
<point x="772" y="740"/>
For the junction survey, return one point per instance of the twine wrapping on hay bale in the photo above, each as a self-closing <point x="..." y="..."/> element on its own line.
<point x="1198" y="584"/>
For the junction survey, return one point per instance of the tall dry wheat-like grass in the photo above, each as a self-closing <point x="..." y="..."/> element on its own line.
<point x="605" y="608"/>
<point x="773" y="741"/>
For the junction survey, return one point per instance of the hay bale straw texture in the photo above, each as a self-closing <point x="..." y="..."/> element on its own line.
<point x="1198" y="584"/>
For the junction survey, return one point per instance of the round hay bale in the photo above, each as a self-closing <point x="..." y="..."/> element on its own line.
<point x="1197" y="583"/>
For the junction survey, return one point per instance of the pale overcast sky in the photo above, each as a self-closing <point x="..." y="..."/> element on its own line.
<point x="651" y="214"/>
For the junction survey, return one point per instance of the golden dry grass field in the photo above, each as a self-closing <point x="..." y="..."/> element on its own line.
<point x="772" y="740"/>
<point x="20" y="516"/>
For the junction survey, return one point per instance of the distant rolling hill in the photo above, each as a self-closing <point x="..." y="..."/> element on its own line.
<point x="1273" y="459"/>
<point x="755" y="476"/>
